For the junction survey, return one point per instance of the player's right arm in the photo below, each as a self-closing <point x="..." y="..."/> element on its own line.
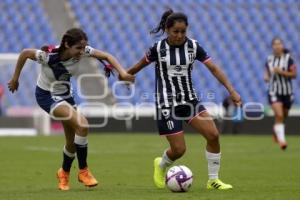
<point x="266" y="76"/>
<point x="138" y="66"/>
<point x="13" y="84"/>
<point x="150" y="56"/>
<point x="267" y="73"/>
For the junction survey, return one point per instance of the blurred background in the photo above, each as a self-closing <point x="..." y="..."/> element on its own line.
<point x="237" y="34"/>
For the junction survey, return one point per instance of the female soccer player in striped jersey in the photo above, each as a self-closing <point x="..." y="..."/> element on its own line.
<point x="53" y="94"/>
<point x="280" y="70"/>
<point x="176" y="99"/>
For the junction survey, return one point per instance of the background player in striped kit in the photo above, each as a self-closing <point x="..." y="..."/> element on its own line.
<point x="176" y="99"/>
<point x="54" y="95"/>
<point x="280" y="70"/>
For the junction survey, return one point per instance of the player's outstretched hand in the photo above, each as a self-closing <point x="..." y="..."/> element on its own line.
<point x="13" y="85"/>
<point x="127" y="77"/>
<point x="236" y="98"/>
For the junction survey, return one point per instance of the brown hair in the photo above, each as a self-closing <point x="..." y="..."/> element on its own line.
<point x="71" y="37"/>
<point x="168" y="19"/>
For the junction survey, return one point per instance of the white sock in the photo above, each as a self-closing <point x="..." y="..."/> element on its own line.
<point x="71" y="155"/>
<point x="165" y="161"/>
<point x="279" y="131"/>
<point x="80" y="140"/>
<point x="213" y="160"/>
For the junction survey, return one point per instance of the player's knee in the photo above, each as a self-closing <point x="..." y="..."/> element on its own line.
<point x="213" y="136"/>
<point x="82" y="130"/>
<point x="82" y="127"/>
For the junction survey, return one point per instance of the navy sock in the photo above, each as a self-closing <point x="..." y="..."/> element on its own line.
<point x="67" y="160"/>
<point x="81" y="144"/>
<point x="81" y="151"/>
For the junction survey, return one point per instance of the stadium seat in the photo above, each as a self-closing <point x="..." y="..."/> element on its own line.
<point x="23" y="25"/>
<point x="236" y="33"/>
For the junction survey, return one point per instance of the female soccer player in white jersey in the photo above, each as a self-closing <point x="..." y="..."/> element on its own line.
<point x="53" y="94"/>
<point x="280" y="70"/>
<point x="176" y="99"/>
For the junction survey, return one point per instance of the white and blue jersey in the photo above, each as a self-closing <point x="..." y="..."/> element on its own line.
<point x="53" y="85"/>
<point x="55" y="74"/>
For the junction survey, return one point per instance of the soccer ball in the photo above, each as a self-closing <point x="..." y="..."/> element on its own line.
<point x="179" y="178"/>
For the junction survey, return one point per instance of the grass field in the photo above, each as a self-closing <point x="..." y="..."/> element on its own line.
<point x="123" y="165"/>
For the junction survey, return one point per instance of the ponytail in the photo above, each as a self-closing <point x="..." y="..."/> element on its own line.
<point x="108" y="68"/>
<point x="162" y="24"/>
<point x="168" y="20"/>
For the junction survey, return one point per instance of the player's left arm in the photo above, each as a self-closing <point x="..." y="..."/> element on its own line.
<point x="203" y="57"/>
<point x="290" y="73"/>
<point x="113" y="62"/>
<point x="219" y="74"/>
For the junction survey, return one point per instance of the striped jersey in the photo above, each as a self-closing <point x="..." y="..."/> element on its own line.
<point x="173" y="69"/>
<point x="278" y="84"/>
<point x="55" y="74"/>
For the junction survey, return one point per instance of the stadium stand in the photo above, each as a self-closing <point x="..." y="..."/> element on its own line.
<point x="236" y="33"/>
<point x="23" y="24"/>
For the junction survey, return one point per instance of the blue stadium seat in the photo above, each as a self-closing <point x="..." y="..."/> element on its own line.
<point x="236" y="33"/>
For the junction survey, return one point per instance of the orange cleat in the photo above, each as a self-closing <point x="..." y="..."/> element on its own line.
<point x="63" y="179"/>
<point x="86" y="177"/>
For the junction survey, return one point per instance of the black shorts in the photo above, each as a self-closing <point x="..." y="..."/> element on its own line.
<point x="286" y="100"/>
<point x="169" y="120"/>
<point x="47" y="102"/>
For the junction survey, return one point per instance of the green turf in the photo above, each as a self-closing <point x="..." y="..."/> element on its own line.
<point x="122" y="163"/>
